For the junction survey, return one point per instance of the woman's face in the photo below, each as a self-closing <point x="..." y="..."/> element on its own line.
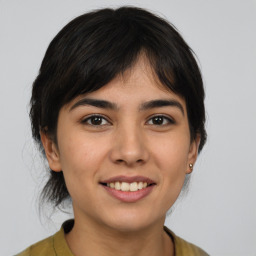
<point x="124" y="151"/>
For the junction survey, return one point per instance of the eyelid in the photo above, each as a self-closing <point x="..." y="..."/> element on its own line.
<point x="85" y="119"/>
<point x="170" y="119"/>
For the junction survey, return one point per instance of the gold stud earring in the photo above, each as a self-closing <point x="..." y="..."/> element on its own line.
<point x="191" y="167"/>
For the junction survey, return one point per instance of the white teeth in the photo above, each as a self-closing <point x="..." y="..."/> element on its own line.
<point x="125" y="186"/>
<point x="117" y="185"/>
<point x="133" y="186"/>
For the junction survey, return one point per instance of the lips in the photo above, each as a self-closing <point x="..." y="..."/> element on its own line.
<point x="128" y="189"/>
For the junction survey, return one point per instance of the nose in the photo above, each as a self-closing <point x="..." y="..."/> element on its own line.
<point x="129" y="147"/>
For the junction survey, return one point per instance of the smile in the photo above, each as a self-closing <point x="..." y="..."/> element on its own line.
<point x="128" y="189"/>
<point x="125" y="186"/>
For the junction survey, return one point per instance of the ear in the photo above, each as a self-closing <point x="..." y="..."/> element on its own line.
<point x="51" y="152"/>
<point x="193" y="153"/>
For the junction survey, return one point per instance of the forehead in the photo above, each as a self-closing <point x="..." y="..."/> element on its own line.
<point x="137" y="84"/>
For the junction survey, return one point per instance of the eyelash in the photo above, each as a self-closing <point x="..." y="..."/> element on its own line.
<point x="166" y="120"/>
<point x="89" y="119"/>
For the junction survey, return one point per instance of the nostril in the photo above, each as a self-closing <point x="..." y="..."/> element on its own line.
<point x="121" y="161"/>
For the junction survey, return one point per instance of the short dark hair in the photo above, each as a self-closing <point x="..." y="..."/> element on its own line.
<point x="93" y="49"/>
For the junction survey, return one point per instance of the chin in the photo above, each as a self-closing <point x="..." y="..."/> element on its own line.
<point x="133" y="221"/>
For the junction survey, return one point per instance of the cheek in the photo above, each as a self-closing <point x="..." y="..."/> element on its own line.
<point x="80" y="157"/>
<point x="171" y="157"/>
<point x="171" y="153"/>
<point x="80" y="165"/>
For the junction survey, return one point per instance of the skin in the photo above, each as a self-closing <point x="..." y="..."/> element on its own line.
<point x="126" y="141"/>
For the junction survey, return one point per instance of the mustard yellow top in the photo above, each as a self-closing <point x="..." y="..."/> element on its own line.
<point x="56" y="245"/>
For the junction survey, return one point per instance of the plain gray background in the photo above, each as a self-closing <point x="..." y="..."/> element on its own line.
<point x="219" y="212"/>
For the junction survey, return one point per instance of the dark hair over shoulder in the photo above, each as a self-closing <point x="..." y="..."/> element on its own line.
<point x="93" y="49"/>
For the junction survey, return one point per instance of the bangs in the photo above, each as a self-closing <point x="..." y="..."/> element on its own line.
<point x="87" y="54"/>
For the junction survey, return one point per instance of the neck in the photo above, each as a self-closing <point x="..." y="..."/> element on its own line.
<point x="86" y="239"/>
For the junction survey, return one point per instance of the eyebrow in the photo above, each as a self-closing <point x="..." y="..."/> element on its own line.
<point x="112" y="106"/>
<point x="161" y="103"/>
<point x="95" y="103"/>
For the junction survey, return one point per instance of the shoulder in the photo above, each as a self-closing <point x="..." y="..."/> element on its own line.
<point x="53" y="245"/>
<point x="182" y="247"/>
<point x="44" y="247"/>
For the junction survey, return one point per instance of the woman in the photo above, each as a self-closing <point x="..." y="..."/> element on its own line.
<point x="118" y="111"/>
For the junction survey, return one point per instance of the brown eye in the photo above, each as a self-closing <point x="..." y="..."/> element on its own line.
<point x="160" y="120"/>
<point x="95" y="120"/>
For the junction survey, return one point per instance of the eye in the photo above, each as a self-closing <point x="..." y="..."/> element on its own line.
<point x="95" y="120"/>
<point x="160" y="120"/>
